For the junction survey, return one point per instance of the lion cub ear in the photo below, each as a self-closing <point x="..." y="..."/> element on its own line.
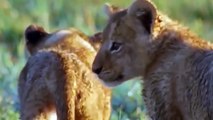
<point x="96" y="40"/>
<point x="110" y="9"/>
<point x="145" y="12"/>
<point x="34" y="35"/>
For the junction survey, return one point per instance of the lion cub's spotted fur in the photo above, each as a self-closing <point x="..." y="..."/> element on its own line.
<point x="56" y="82"/>
<point x="176" y="65"/>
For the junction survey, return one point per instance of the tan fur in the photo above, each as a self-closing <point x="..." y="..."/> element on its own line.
<point x="57" y="77"/>
<point x="176" y="65"/>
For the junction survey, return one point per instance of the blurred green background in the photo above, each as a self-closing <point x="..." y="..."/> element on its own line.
<point x="88" y="16"/>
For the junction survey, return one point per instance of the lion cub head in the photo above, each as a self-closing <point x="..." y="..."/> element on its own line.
<point x="37" y="38"/>
<point x="69" y="40"/>
<point x="124" y="53"/>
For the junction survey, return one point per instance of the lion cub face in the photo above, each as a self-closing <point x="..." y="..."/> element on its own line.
<point x="126" y="42"/>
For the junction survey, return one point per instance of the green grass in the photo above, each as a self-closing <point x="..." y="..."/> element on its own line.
<point x="87" y="16"/>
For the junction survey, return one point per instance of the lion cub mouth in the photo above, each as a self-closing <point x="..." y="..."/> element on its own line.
<point x="114" y="82"/>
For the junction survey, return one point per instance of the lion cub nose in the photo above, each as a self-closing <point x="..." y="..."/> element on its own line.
<point x="97" y="70"/>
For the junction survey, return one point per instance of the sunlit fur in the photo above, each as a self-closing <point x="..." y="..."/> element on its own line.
<point x="176" y="65"/>
<point x="57" y="82"/>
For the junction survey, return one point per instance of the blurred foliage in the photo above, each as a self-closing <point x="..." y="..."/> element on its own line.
<point x="16" y="15"/>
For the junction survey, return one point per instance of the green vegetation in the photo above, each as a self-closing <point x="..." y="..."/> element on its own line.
<point x="16" y="15"/>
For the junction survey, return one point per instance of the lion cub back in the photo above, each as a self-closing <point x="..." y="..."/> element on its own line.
<point x="56" y="82"/>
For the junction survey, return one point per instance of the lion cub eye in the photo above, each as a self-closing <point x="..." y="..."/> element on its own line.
<point x="115" y="47"/>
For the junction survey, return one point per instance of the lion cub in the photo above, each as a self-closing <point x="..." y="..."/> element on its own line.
<point x="176" y="65"/>
<point x="56" y="82"/>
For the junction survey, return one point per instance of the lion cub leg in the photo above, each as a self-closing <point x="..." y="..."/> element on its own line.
<point x="36" y="102"/>
<point x="62" y="86"/>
